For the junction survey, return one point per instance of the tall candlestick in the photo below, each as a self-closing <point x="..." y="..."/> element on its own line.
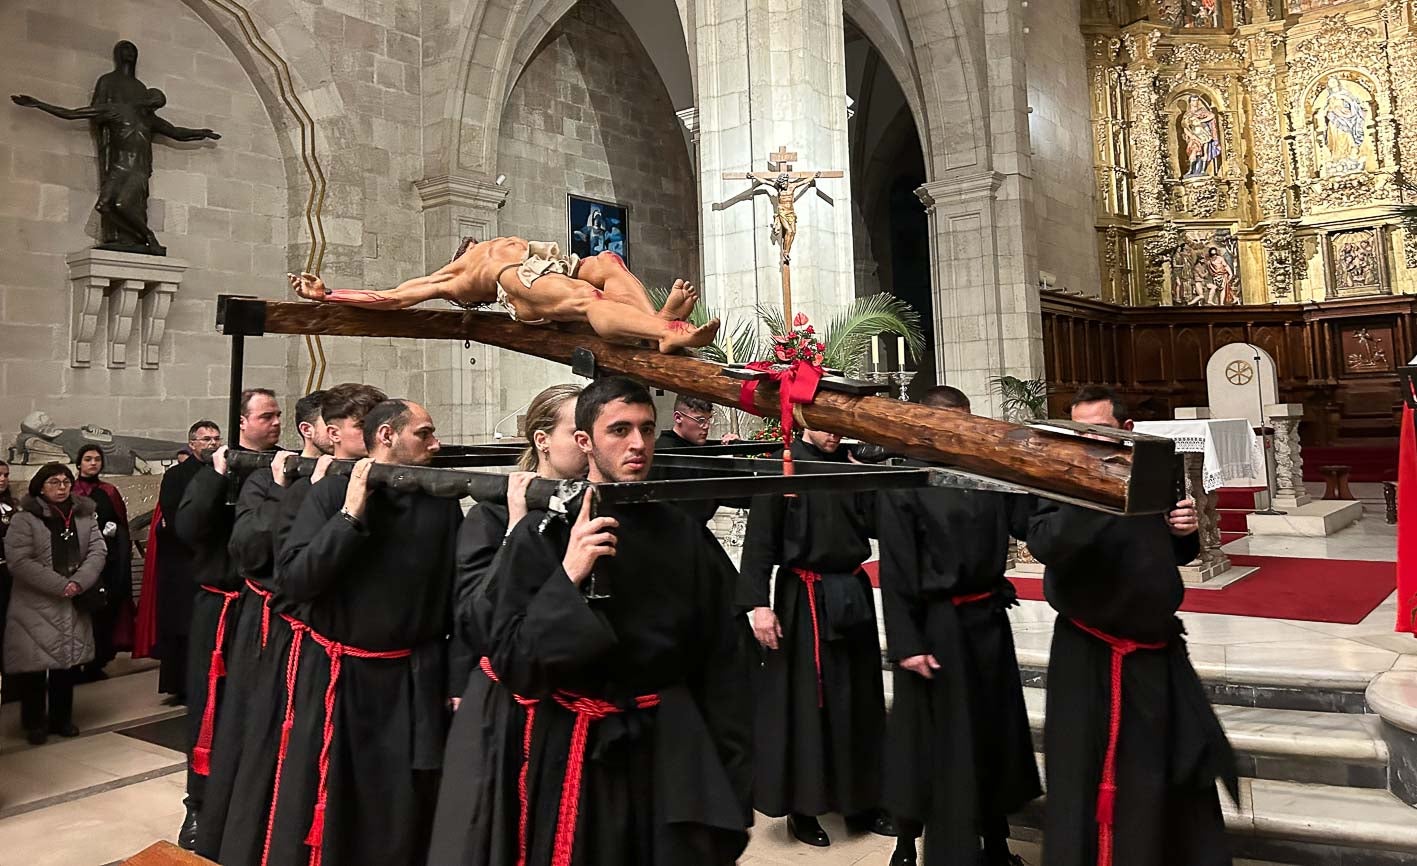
<point x="876" y="352"/>
<point x="900" y="350"/>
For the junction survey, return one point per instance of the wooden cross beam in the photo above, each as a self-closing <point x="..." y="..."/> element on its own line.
<point x="1132" y="476"/>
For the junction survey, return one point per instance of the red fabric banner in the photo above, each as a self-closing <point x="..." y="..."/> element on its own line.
<point x="1407" y="527"/>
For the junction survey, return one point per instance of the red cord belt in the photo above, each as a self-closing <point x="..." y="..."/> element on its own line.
<point x="961" y="600"/>
<point x="336" y="652"/>
<point x="216" y="669"/>
<point x="586" y="711"/>
<point x="1107" y="788"/>
<point x="265" y="595"/>
<point x="810" y="579"/>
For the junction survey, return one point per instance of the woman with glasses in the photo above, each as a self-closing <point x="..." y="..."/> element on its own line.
<point x="552" y="453"/>
<point x="55" y="553"/>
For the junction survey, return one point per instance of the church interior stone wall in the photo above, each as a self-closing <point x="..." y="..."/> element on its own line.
<point x="589" y="115"/>
<point x="222" y="207"/>
<point x="1060" y="132"/>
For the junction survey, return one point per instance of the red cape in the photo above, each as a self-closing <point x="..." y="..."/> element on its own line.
<point x="1407" y="528"/>
<point x="145" y="629"/>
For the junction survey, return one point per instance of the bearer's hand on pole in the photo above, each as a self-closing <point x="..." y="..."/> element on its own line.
<point x="278" y="467"/>
<point x="766" y="627"/>
<point x="517" y="484"/>
<point x="924" y="665"/>
<point x="322" y="465"/>
<point x="219" y="460"/>
<point x="1183" y="520"/>
<point x="356" y="496"/>
<point x="591" y="538"/>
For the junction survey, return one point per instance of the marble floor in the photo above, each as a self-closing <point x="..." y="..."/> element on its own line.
<point x="101" y="797"/>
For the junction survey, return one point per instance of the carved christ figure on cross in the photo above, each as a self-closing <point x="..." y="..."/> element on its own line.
<point x="537" y="283"/>
<point x="785" y="187"/>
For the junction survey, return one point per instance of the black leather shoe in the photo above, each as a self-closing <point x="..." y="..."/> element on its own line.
<point x="187" y="836"/>
<point x="67" y="730"/>
<point x="871" y="822"/>
<point x="808" y="831"/>
<point x="1009" y="859"/>
<point x="905" y="853"/>
<point x="37" y="736"/>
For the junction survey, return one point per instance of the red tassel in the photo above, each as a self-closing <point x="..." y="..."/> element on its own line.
<point x="1106" y="800"/>
<point x="218" y="663"/>
<point x="202" y="761"/>
<point x="316" y="837"/>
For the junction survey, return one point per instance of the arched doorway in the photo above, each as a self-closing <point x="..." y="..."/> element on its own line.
<point x="890" y="228"/>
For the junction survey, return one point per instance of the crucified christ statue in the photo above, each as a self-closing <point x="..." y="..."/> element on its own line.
<point x="784" y="187"/>
<point x="537" y="283"/>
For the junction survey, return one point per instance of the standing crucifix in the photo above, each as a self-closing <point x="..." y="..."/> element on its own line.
<point x="784" y="187"/>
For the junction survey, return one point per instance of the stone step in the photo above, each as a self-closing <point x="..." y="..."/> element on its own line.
<point x="1341" y="749"/>
<point x="1276" y="686"/>
<point x="1302" y="824"/>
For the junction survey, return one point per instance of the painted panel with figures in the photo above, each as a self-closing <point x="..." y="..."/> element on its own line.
<point x="1205" y="270"/>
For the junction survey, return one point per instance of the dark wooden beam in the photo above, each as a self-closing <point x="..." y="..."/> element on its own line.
<point x="1130" y="476"/>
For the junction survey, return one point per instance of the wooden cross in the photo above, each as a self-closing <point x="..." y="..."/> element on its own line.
<point x="785" y="187"/>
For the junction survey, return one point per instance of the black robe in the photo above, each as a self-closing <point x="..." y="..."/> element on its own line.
<point x="1118" y="575"/>
<point x="812" y="759"/>
<point x="959" y="752"/>
<point x="176" y="588"/>
<point x="479" y="539"/>
<point x="702" y="510"/>
<point x="380" y="587"/>
<point x="117" y="573"/>
<point x="203" y="524"/>
<point x="243" y="833"/>
<point x="252" y="556"/>
<point x="661" y="786"/>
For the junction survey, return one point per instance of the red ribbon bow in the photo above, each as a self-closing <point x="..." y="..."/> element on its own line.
<point x="797" y="381"/>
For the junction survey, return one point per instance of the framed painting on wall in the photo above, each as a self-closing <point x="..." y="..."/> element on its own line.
<point x="598" y="227"/>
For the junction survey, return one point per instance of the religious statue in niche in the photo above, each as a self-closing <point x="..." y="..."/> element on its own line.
<point x="1200" y="134"/>
<point x="124" y="113"/>
<point x="1190" y="13"/>
<point x="1205" y="270"/>
<point x="1340" y="116"/>
<point x="1355" y="260"/>
<point x="1363" y="351"/>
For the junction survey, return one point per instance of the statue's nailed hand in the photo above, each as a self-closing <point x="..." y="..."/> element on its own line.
<point x="26" y="101"/>
<point x="207" y="133"/>
<point x="307" y="286"/>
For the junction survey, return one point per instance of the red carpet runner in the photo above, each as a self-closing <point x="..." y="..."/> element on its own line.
<point x="1312" y="590"/>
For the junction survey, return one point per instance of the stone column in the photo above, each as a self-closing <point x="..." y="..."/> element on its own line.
<point x="773" y="75"/>
<point x="986" y="309"/>
<point x="461" y="383"/>
<point x="1289" y="489"/>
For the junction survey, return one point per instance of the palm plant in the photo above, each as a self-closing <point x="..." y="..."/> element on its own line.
<point x="1022" y="400"/>
<point x="847" y="337"/>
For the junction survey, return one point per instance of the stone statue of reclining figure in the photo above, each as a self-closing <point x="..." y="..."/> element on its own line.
<point x="537" y="284"/>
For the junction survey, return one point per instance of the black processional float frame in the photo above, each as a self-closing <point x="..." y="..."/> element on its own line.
<point x="730" y="471"/>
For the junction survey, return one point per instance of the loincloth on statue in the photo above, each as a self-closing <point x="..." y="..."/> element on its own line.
<point x="542" y="258"/>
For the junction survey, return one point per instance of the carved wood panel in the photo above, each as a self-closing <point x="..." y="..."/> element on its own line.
<point x="1336" y="357"/>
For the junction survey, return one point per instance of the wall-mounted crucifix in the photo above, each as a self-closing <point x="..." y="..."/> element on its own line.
<point x="784" y="187"/>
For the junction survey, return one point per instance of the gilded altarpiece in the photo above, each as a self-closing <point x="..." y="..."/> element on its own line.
<point x="1251" y="151"/>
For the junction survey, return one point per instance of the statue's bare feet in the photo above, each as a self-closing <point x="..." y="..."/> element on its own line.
<point x="682" y="335"/>
<point x="683" y="297"/>
<point x="307" y="286"/>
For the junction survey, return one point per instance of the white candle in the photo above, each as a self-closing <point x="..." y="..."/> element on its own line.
<point x="900" y="350"/>
<point x="875" y="352"/>
<point x="728" y="349"/>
